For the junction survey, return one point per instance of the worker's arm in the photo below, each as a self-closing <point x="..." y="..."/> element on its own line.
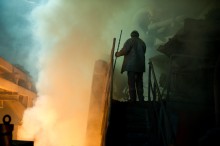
<point x="122" y="52"/>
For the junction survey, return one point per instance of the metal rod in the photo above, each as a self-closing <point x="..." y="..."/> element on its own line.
<point x="117" y="51"/>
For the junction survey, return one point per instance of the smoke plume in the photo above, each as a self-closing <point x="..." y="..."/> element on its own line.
<point x="70" y="35"/>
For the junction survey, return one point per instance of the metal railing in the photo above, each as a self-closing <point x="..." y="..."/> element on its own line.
<point x="155" y="96"/>
<point x="164" y="130"/>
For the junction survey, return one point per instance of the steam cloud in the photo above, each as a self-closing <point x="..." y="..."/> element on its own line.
<point x="72" y="35"/>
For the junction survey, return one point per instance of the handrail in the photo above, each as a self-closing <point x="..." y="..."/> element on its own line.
<point x="153" y="88"/>
<point x="167" y="83"/>
<point x="161" y="97"/>
<point x="156" y="86"/>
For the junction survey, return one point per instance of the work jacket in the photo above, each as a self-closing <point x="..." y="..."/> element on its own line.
<point x="134" y="55"/>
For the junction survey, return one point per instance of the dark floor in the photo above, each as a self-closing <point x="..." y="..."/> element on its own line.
<point x="129" y="125"/>
<point x="143" y="124"/>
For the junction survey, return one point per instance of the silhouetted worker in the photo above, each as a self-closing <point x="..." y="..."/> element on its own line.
<point x="134" y="63"/>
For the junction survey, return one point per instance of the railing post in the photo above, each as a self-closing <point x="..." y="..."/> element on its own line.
<point x="149" y="82"/>
<point x="154" y="92"/>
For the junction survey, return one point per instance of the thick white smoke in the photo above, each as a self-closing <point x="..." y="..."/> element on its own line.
<point x="72" y="34"/>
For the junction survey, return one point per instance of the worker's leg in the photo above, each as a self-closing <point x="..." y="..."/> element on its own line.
<point x="139" y="85"/>
<point x="131" y="86"/>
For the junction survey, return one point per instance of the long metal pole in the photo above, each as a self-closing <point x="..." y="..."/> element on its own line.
<point x="117" y="51"/>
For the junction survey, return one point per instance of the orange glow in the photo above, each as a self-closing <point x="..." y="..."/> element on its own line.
<point x="59" y="116"/>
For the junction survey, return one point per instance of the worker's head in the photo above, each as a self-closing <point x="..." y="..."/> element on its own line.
<point x="134" y="33"/>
